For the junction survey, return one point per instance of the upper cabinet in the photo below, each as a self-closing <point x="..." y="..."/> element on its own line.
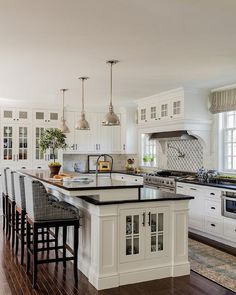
<point x="16" y="115"/>
<point x="51" y="117"/>
<point x="177" y="104"/>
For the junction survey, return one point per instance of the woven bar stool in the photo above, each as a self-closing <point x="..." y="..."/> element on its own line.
<point x="41" y="214"/>
<point x="11" y="206"/>
<point x="4" y="199"/>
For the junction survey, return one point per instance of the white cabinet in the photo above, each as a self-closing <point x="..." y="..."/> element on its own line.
<point x="144" y="233"/>
<point x="49" y="117"/>
<point x="16" y="146"/>
<point x="99" y="139"/>
<point x="15" y="115"/>
<point x="127" y="177"/>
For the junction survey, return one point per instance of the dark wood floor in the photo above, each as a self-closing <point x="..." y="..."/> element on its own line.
<point x="55" y="280"/>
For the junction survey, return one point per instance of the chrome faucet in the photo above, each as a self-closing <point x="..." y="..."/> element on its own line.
<point x="105" y="156"/>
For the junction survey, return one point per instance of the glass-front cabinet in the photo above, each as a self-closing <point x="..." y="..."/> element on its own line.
<point x="132" y="234"/>
<point x="45" y="116"/>
<point x="16" y="146"/>
<point x="144" y="233"/>
<point x="15" y="115"/>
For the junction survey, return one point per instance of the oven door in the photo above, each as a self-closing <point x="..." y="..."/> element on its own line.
<point x="229" y="207"/>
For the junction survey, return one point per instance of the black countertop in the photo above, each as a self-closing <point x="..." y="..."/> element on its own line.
<point x="117" y="171"/>
<point x="97" y="183"/>
<point x="146" y="195"/>
<point x="211" y="184"/>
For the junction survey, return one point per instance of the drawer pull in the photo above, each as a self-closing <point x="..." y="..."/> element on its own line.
<point x="212" y="224"/>
<point x="179" y="186"/>
<point x="213" y="208"/>
<point x="193" y="189"/>
<point x="212" y="194"/>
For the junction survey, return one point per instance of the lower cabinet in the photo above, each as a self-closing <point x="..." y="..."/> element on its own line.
<point x="144" y="233"/>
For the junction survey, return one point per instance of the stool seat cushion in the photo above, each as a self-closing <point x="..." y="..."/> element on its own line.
<point x="52" y="198"/>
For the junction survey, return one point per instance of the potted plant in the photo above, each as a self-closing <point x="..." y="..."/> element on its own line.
<point x="146" y="158"/>
<point x="52" y="139"/>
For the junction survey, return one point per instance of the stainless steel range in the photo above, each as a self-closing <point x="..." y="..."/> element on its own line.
<point x="164" y="180"/>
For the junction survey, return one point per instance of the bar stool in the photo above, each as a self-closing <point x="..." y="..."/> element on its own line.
<point x="41" y="214"/>
<point x="11" y="205"/>
<point x="4" y="198"/>
<point x="20" y="224"/>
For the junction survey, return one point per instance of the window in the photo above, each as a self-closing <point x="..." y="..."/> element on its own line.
<point x="149" y="151"/>
<point x="229" y="141"/>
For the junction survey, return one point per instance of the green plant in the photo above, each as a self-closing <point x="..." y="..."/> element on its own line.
<point x="146" y="158"/>
<point x="52" y="139"/>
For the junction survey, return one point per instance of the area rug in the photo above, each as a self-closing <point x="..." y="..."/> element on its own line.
<point x="213" y="264"/>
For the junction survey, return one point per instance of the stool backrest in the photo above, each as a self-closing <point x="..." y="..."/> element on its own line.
<point x="36" y="198"/>
<point x="4" y="181"/>
<point x="10" y="184"/>
<point x="19" y="190"/>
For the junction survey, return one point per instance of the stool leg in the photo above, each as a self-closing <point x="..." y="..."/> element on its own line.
<point x="28" y="246"/>
<point x="35" y="255"/>
<point x="76" y="242"/>
<point x="13" y="210"/>
<point x="9" y="221"/>
<point x="7" y="217"/>
<point x="56" y="241"/>
<point x="17" y="232"/>
<point x="22" y="234"/>
<point x="64" y="237"/>
<point x="4" y="211"/>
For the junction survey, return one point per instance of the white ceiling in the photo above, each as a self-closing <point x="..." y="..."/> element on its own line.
<point x="162" y="44"/>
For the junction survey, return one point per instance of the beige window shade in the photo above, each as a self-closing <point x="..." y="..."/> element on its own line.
<point x="223" y="101"/>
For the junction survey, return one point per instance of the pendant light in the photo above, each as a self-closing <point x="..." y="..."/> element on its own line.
<point x="63" y="127"/>
<point x="82" y="123"/>
<point x="111" y="119"/>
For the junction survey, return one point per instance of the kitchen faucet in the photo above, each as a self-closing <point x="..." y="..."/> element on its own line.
<point x="105" y="156"/>
<point x="180" y="154"/>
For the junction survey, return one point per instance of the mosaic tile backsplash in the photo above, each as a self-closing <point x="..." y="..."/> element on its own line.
<point x="193" y="155"/>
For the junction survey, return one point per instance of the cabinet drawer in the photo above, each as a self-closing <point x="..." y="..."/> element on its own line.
<point x="213" y="208"/>
<point x="230" y="229"/>
<point x="214" y="225"/>
<point x="180" y="189"/>
<point x="212" y="193"/>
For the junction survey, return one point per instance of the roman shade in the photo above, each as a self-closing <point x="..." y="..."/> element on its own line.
<point x="223" y="101"/>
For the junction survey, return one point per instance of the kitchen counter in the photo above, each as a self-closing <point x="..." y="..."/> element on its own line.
<point x="141" y="174"/>
<point x="146" y="195"/>
<point x="211" y="184"/>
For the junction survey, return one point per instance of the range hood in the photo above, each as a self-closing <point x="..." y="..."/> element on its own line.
<point x="173" y="135"/>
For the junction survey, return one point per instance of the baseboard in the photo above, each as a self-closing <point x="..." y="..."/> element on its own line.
<point x="138" y="276"/>
<point x="198" y="236"/>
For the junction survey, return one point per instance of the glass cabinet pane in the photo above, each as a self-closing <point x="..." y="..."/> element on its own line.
<point x="23" y="115"/>
<point x="153" y="223"/>
<point x="132" y="234"/>
<point x="39" y="116"/>
<point x="7" y="142"/>
<point x="160" y="222"/>
<point x="176" y="107"/>
<point x="38" y="153"/>
<point x="53" y="116"/>
<point x="8" y="114"/>
<point x="153" y="243"/>
<point x="153" y="112"/>
<point x="164" y="110"/>
<point x="157" y="232"/>
<point x="23" y="143"/>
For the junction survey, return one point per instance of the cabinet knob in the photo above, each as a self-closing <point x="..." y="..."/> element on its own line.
<point x="171" y="116"/>
<point x="212" y="224"/>
<point x="213" y="208"/>
<point x="159" y="118"/>
<point x="212" y="194"/>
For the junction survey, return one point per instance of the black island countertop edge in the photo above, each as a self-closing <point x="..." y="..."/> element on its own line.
<point x="146" y="195"/>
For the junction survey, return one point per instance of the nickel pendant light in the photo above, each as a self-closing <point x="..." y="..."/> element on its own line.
<point x="111" y="119"/>
<point x="82" y="123"/>
<point x="63" y="127"/>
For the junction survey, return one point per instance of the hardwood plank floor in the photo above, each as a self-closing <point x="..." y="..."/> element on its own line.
<point x="55" y="280"/>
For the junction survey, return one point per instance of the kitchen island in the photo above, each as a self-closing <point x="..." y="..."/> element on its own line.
<point x="126" y="240"/>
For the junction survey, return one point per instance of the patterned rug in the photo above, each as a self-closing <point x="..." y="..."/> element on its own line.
<point x="213" y="264"/>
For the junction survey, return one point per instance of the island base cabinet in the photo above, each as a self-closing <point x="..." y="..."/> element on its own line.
<point x="143" y="233"/>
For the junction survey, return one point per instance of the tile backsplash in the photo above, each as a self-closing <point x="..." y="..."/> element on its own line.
<point x="193" y="155"/>
<point x="119" y="161"/>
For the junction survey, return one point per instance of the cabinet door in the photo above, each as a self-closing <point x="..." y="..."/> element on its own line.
<point x="142" y="115"/>
<point x="132" y="235"/>
<point x="23" y="116"/>
<point x="116" y="139"/>
<point x="85" y="140"/>
<point x="70" y="137"/>
<point x="196" y="208"/>
<point x="46" y="117"/>
<point x="53" y="117"/>
<point x="153" y="113"/>
<point x="7" y="115"/>
<point x="157" y="231"/>
<point x="176" y="108"/>
<point x="8" y="145"/>
<point x="164" y="110"/>
<point x="38" y="156"/>
<point x="23" y="147"/>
